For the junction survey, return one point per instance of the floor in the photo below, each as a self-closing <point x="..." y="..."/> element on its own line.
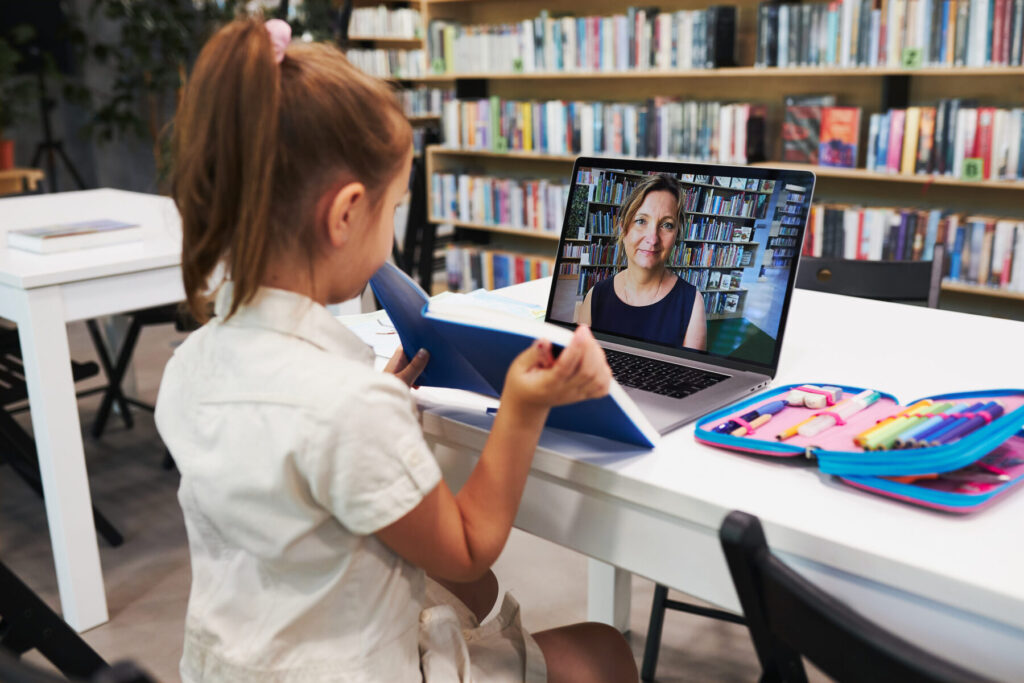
<point x="147" y="578"/>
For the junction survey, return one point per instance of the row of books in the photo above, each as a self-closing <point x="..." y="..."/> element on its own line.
<point x="717" y="230"/>
<point x="469" y="268"/>
<point x="642" y="38"/>
<point x="713" y="279"/>
<point x="384" y="22"/>
<point x="508" y="202"/>
<point x="707" y="255"/>
<point x="424" y="101"/>
<point x="899" y="33"/>
<point x="714" y="201"/>
<point x="955" y="137"/>
<point x="979" y="249"/>
<point x="662" y="127"/>
<point x="586" y="176"/>
<point x="390" y="63"/>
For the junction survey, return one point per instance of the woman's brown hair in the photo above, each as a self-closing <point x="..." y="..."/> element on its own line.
<point x="257" y="144"/>
<point x="659" y="182"/>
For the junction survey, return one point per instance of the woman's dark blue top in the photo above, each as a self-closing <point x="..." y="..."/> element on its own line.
<point x="663" y="322"/>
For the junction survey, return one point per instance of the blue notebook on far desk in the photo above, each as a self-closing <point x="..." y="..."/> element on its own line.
<point x="471" y="348"/>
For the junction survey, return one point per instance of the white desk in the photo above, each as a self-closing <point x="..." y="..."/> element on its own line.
<point x="42" y="293"/>
<point x="953" y="585"/>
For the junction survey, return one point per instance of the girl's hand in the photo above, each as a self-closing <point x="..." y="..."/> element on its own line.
<point x="580" y="372"/>
<point x="405" y="369"/>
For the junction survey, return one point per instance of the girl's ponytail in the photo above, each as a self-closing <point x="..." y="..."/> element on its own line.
<point x="257" y="143"/>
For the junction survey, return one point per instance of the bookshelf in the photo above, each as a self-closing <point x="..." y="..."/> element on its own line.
<point x="872" y="88"/>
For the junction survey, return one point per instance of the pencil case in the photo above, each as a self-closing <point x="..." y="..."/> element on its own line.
<point x="945" y="469"/>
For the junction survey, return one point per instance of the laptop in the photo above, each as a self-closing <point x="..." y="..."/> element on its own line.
<point x="734" y="258"/>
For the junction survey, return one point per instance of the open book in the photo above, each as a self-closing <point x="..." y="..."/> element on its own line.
<point x="471" y="347"/>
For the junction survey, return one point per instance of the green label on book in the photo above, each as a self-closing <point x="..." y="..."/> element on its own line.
<point x="974" y="169"/>
<point x="517" y="65"/>
<point x="913" y="58"/>
<point x="500" y="145"/>
<point x="437" y="65"/>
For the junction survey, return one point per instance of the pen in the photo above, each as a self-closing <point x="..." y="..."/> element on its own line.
<point x="731" y="426"/>
<point x="884" y="439"/>
<point x="757" y="422"/>
<point x="917" y="436"/>
<point x="792" y="431"/>
<point x="954" y="421"/>
<point x="994" y="409"/>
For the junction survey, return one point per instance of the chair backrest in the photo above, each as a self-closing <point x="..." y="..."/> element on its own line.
<point x="884" y="280"/>
<point x="26" y="622"/>
<point x="789" y="617"/>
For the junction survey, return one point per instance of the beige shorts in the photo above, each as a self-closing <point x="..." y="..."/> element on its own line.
<point x="456" y="648"/>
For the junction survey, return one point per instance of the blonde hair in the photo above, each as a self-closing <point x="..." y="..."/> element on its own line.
<point x="257" y="144"/>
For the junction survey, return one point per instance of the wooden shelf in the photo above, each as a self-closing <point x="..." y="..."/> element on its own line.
<point x="746" y="72"/>
<point x="863" y="174"/>
<point x="15" y="180"/>
<point x="505" y="229"/>
<point x="980" y="290"/>
<point x="742" y="244"/>
<point x="423" y="118"/>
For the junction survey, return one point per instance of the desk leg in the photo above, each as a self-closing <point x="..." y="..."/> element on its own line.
<point x="51" y="391"/>
<point x="608" y="594"/>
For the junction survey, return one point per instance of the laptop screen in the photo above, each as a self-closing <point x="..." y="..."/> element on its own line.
<point x="682" y="258"/>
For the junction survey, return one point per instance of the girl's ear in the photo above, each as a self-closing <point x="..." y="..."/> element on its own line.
<point x="347" y="211"/>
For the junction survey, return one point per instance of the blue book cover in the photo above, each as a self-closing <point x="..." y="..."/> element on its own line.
<point x="956" y="256"/>
<point x="929" y="236"/>
<point x="471" y="347"/>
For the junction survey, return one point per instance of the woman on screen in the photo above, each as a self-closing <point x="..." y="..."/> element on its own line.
<point x="646" y="300"/>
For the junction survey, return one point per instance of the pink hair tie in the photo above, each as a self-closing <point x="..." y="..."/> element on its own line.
<point x="280" y="36"/>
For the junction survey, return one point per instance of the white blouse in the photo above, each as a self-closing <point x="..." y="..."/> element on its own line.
<point x="293" y="451"/>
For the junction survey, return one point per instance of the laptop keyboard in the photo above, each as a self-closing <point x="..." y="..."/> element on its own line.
<point x="659" y="377"/>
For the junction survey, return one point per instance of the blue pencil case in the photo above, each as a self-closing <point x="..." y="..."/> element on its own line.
<point x="955" y="452"/>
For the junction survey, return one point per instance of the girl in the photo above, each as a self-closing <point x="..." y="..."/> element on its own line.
<point x="314" y="509"/>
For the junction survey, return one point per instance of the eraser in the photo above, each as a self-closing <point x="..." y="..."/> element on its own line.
<point x="813" y="396"/>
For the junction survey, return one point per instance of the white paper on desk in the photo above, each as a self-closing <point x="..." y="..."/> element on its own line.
<point x="376" y="330"/>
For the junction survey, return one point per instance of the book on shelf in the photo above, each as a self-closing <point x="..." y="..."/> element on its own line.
<point x="840" y="134"/>
<point x="954" y="137"/>
<point x="389" y="63"/>
<point x="536" y="205"/>
<point x="470" y="267"/>
<point x="801" y="127"/>
<point x="899" y="33"/>
<point x="639" y="39"/>
<point x="384" y="22"/>
<point x="471" y="347"/>
<point x="49" y="239"/>
<point x="425" y="101"/>
<point x="730" y="133"/>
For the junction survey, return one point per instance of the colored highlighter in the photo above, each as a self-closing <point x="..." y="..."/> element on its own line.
<point x="912" y="438"/>
<point x="910" y="422"/>
<point x="948" y="425"/>
<point x="886" y="435"/>
<point x="861" y="438"/>
<point x="731" y="426"/>
<point x="994" y="410"/>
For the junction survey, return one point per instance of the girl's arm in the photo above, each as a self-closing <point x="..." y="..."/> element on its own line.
<point x="696" y="336"/>
<point x="458" y="537"/>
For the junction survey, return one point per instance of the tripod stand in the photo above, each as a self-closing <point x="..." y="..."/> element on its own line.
<point x="48" y="146"/>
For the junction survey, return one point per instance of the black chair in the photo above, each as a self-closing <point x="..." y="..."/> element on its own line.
<point x="115" y="369"/>
<point x="17" y="448"/>
<point x="789" y="617"/>
<point x="883" y="280"/>
<point x="27" y="623"/>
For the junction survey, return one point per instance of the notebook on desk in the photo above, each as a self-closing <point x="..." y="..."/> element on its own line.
<point x="711" y="330"/>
